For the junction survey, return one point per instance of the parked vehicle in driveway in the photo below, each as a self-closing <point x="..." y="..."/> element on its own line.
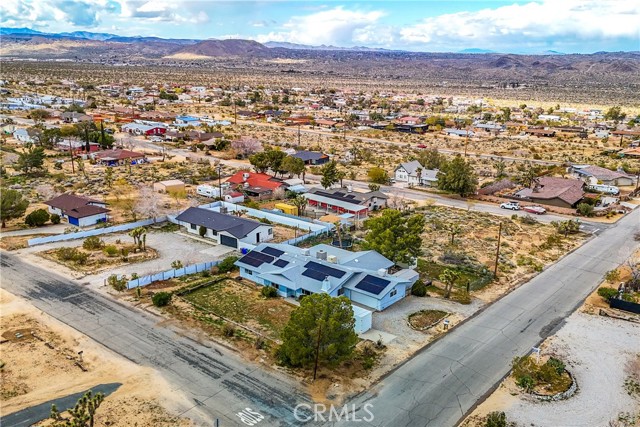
<point x="538" y="210"/>
<point x="514" y="206"/>
<point x="422" y="146"/>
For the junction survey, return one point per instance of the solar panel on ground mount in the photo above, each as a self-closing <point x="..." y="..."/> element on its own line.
<point x="314" y="274"/>
<point x="272" y="251"/>
<point x="281" y="263"/>
<point x="372" y="284"/>
<point x="327" y="271"/>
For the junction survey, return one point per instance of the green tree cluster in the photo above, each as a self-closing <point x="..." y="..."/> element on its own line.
<point x="319" y="331"/>
<point x="457" y="176"/>
<point x="395" y="235"/>
<point x="12" y="205"/>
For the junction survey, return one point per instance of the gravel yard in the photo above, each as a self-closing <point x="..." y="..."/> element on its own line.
<point x="596" y="350"/>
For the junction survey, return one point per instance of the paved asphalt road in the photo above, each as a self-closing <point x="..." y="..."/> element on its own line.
<point x="34" y="414"/>
<point x="218" y="382"/>
<point x="442" y="383"/>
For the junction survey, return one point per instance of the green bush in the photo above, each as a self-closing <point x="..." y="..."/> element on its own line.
<point x="496" y="419"/>
<point x="419" y="289"/>
<point x="202" y="231"/>
<point x="227" y="264"/>
<point x="92" y="243"/>
<point x="119" y="284"/>
<point x="161" y="299"/>
<point x="612" y="276"/>
<point x="37" y="218"/>
<point x="176" y="264"/>
<point x="66" y="254"/>
<point x="607" y="293"/>
<point x="269" y="292"/>
<point x="110" y="250"/>
<point x="526" y="383"/>
<point x="585" y="209"/>
<point x="556" y="364"/>
<point x="55" y="219"/>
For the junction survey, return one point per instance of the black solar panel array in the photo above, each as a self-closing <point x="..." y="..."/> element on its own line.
<point x="281" y="263"/>
<point x="314" y="274"/>
<point x="338" y="196"/>
<point x="326" y="270"/>
<point x="256" y="259"/>
<point x="372" y="284"/>
<point x="272" y="251"/>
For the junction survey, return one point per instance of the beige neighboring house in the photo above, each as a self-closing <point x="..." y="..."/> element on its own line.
<point x="169" y="186"/>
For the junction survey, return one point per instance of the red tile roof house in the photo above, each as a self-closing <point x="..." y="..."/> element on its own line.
<point x="254" y="184"/>
<point x="78" y="210"/>
<point x="560" y="192"/>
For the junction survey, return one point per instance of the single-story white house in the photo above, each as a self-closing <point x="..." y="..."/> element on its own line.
<point x="363" y="276"/>
<point x="77" y="210"/>
<point x="227" y="230"/>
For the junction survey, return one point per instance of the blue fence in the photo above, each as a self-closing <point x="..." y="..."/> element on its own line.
<point x="170" y="274"/>
<point x="95" y="232"/>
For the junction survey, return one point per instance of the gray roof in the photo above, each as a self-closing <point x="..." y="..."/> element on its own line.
<point x="345" y="195"/>
<point x="354" y="265"/>
<point x="426" y="174"/>
<point x="306" y="155"/>
<point x="234" y="225"/>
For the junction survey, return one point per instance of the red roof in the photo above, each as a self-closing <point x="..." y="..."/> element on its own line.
<point x="255" y="180"/>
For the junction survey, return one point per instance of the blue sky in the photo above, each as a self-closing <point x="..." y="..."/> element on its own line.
<point x="519" y="26"/>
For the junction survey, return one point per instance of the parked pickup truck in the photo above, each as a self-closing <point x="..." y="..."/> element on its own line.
<point x="538" y="210"/>
<point x="514" y="206"/>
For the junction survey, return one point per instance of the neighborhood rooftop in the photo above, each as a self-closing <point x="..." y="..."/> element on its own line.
<point x="236" y="226"/>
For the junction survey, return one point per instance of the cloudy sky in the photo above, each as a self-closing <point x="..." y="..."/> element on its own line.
<point x="580" y="26"/>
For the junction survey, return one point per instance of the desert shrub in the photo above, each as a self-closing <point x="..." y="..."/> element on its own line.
<point x="419" y="289"/>
<point x="269" y="292"/>
<point x="92" y="243"/>
<point x="81" y="258"/>
<point x="528" y="220"/>
<point x="525" y="382"/>
<point x="496" y="419"/>
<point x="37" y="218"/>
<point x="585" y="209"/>
<point x="119" y="284"/>
<point x="66" y="254"/>
<point x="607" y="293"/>
<point x="110" y="251"/>
<point x="161" y="299"/>
<point x="556" y="364"/>
<point x="205" y="273"/>
<point x="55" y="219"/>
<point x="612" y="276"/>
<point x="227" y="264"/>
<point x="176" y="264"/>
<point x="228" y="330"/>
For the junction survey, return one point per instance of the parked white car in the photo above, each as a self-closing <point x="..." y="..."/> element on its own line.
<point x="514" y="206"/>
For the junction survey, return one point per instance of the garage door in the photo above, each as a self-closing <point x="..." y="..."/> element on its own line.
<point x="229" y="241"/>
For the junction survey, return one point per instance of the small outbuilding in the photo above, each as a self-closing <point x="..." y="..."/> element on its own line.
<point x="169" y="186"/>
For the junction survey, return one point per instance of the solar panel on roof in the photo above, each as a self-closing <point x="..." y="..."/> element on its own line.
<point x="327" y="271"/>
<point x="281" y="263"/>
<point x="314" y="274"/>
<point x="262" y="257"/>
<point x="249" y="260"/>
<point x="372" y="284"/>
<point x="272" y="251"/>
<point x="339" y="194"/>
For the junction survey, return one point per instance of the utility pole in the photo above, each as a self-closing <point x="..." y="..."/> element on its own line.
<point x="219" y="168"/>
<point x="466" y="142"/>
<point x="235" y="112"/>
<point x="298" y="133"/>
<point x="495" y="269"/>
<point x="73" y="168"/>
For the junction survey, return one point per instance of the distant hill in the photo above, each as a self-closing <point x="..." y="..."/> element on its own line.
<point x="223" y="48"/>
<point x="296" y="46"/>
<point x="476" y="50"/>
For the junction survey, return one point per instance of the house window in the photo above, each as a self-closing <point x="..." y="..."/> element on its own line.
<point x="305" y="292"/>
<point x="248" y="272"/>
<point x="214" y="232"/>
<point x="193" y="226"/>
<point x="340" y="291"/>
<point x="270" y="231"/>
<point x="393" y="293"/>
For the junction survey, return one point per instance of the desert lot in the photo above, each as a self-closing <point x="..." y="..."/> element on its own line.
<point x="41" y="367"/>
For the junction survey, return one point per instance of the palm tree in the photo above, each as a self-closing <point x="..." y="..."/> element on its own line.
<point x="419" y="175"/>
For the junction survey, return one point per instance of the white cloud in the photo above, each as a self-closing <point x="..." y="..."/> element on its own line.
<point x="333" y="26"/>
<point x="549" y="21"/>
<point x="174" y="11"/>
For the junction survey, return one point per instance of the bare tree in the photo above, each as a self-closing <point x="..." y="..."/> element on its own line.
<point x="148" y="204"/>
<point x="246" y="146"/>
